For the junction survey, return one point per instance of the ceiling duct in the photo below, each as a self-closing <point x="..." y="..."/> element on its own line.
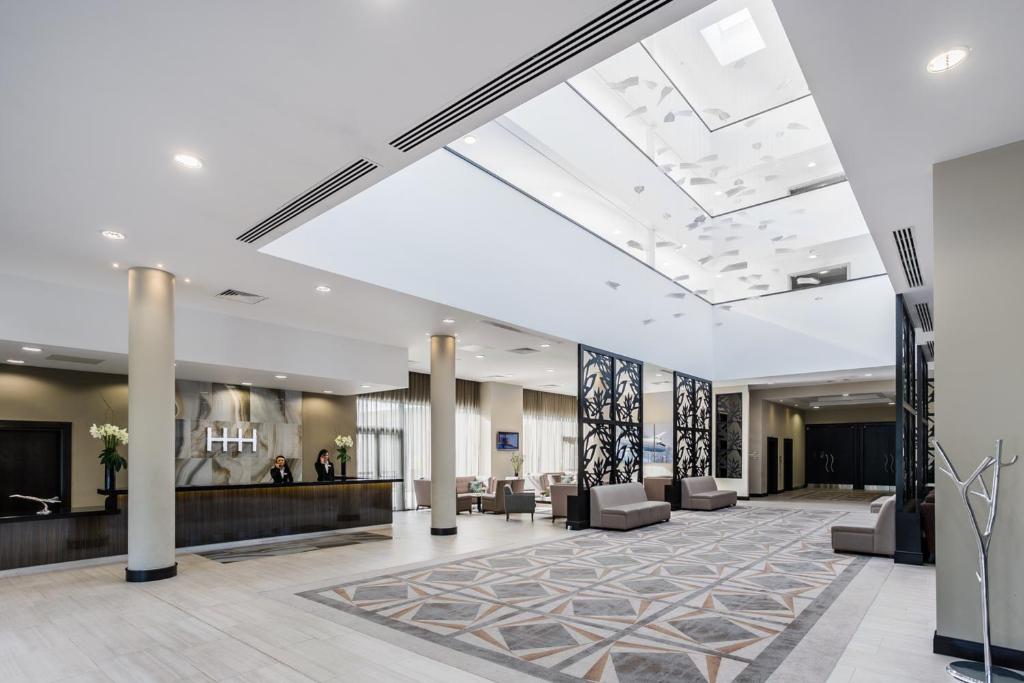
<point x="908" y="256"/>
<point x="924" y="315"/>
<point x="562" y="50"/>
<point x="502" y="326"/>
<point x="524" y="351"/>
<point x="308" y="200"/>
<point x="62" y="358"/>
<point x="241" y="297"/>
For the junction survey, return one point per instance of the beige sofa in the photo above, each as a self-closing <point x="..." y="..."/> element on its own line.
<point x="494" y="499"/>
<point x="877" y="503"/>
<point x="877" y="538"/>
<point x="463" y="501"/>
<point x="625" y="506"/>
<point x="701" y="493"/>
<point x="654" y="487"/>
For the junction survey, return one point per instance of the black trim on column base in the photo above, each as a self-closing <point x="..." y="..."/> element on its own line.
<point x="450" y="531"/>
<point x="969" y="649"/>
<point x="142" y="575"/>
<point x="757" y="495"/>
<point x="907" y="557"/>
<point x="742" y="497"/>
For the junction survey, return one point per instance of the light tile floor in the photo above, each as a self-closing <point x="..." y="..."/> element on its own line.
<point x="234" y="622"/>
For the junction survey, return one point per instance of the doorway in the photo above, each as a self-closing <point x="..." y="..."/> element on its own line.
<point x="851" y="455"/>
<point x="772" y="458"/>
<point x="787" y="464"/>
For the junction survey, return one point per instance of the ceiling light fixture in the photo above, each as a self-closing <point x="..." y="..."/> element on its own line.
<point x="892" y="403"/>
<point x="822" y="272"/>
<point x="31" y="349"/>
<point x="323" y="289"/>
<point x="280" y="376"/>
<point x="812" y="255"/>
<point x="328" y="391"/>
<point x="550" y="370"/>
<point x="112" y="234"/>
<point x="469" y="139"/>
<point x="364" y="386"/>
<point x="545" y="346"/>
<point x="15" y="361"/>
<point x="867" y="374"/>
<point x="944" y="61"/>
<point x="816" y="407"/>
<point x="812" y="164"/>
<point x="556" y="194"/>
<point x="480" y="355"/>
<point x="116" y="265"/>
<point x="188" y="281"/>
<point x="246" y="384"/>
<point x="845" y="395"/>
<point x="189" y="161"/>
<point x="449" y="321"/>
<point x="160" y="265"/>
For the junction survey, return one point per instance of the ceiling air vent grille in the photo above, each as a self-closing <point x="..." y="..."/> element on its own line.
<point x="615" y="19"/>
<point x="241" y="297"/>
<point x="908" y="256"/>
<point x="524" y="351"/>
<point x="309" y="199"/>
<point x="62" y="358"/>
<point x="924" y="314"/>
<point x="502" y="326"/>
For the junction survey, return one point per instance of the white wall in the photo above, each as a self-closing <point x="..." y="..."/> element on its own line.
<point x="501" y="410"/>
<point x="979" y="243"/>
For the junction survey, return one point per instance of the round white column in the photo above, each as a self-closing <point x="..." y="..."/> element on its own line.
<point x="150" y="425"/>
<point x="442" y="435"/>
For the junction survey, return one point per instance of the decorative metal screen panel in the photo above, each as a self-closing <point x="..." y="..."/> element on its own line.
<point x="729" y="436"/>
<point x="610" y="419"/>
<point x="929" y="474"/>
<point x="691" y="431"/>
<point x="911" y="437"/>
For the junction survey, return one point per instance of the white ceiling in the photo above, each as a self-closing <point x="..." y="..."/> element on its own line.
<point x="890" y="119"/>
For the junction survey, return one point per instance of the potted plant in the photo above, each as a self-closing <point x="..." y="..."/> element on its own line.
<point x="517" y="464"/>
<point x="343" y="443"/>
<point x="111" y="436"/>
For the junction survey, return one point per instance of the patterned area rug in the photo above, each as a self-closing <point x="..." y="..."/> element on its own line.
<point x="253" y="552"/>
<point x="720" y="597"/>
<point x="830" y="495"/>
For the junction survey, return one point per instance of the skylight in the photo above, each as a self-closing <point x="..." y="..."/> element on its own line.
<point x="734" y="37"/>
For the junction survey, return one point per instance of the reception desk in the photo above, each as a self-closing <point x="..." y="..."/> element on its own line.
<point x="203" y="515"/>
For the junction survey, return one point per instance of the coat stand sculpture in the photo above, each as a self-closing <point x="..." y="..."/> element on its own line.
<point x="977" y="672"/>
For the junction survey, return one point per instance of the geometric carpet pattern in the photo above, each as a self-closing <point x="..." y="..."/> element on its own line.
<point x="305" y="545"/>
<point x="831" y="495"/>
<point x="719" y="596"/>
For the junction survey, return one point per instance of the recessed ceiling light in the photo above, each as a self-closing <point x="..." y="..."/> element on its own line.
<point x="944" y="61"/>
<point x="188" y="161"/>
<point x="449" y="321"/>
<point x="616" y="232"/>
<point x="812" y="255"/>
<point x="867" y="374"/>
<point x="892" y="403"/>
<point x="323" y="289"/>
<point x="116" y="265"/>
<point x="160" y="265"/>
<point x="545" y="346"/>
<point x="845" y="395"/>
<point x="812" y="164"/>
<point x="188" y="281"/>
<point x="280" y="376"/>
<point x="31" y="349"/>
<point x="550" y="370"/>
<point x="246" y="384"/>
<point x="469" y="139"/>
<point x="718" y="193"/>
<point x="15" y="361"/>
<point x="816" y="407"/>
<point x="557" y="193"/>
<point x="683" y="247"/>
<point x="480" y="355"/>
<point x="718" y="275"/>
<point x="822" y="272"/>
<point x="112" y="234"/>
<point x="364" y="386"/>
<point x="328" y="391"/>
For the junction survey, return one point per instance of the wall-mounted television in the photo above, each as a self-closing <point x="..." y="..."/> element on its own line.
<point x="508" y="441"/>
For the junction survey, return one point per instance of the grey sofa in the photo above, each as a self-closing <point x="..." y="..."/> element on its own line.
<point x="877" y="503"/>
<point x="877" y="538"/>
<point x="625" y="506"/>
<point x="701" y="493"/>
<point x="519" y="502"/>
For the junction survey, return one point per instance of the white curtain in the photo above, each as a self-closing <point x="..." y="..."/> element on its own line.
<point x="393" y="429"/>
<point x="549" y="432"/>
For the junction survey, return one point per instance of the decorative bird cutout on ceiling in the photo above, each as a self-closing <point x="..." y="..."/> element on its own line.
<point x="633" y="244"/>
<point x="796" y="126"/>
<point x="665" y="92"/>
<point x="709" y="157"/>
<point x="625" y="84"/>
<point x="678" y="315"/>
<point x="680" y="278"/>
<point x="697" y="180"/>
<point x="642" y="109"/>
<point x="739" y="265"/>
<point x="720" y="114"/>
<point x="676" y="295"/>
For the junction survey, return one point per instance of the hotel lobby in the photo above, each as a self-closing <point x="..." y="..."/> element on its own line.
<point x="394" y="340"/>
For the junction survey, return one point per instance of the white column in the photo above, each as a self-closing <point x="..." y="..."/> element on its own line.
<point x="150" y="425"/>
<point x="442" y="435"/>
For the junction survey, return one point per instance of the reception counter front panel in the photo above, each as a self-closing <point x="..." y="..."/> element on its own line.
<point x="203" y="515"/>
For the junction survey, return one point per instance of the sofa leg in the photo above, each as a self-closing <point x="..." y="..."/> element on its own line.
<point x="506" y="516"/>
<point x="531" y="517"/>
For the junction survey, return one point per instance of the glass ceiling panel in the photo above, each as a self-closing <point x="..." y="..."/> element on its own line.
<point x="728" y="214"/>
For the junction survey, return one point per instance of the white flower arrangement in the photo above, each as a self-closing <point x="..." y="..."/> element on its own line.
<point x="343" y="441"/>
<point x="111" y="436"/>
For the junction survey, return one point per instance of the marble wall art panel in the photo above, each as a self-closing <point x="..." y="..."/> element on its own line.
<point x="275" y="415"/>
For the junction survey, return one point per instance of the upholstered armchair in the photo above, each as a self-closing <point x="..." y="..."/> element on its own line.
<point x="560" y="499"/>
<point x="422" y="489"/>
<point x="463" y="503"/>
<point x="518" y="502"/>
<point x="494" y="500"/>
<point x="877" y="537"/>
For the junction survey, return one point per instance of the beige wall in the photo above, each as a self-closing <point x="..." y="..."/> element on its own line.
<point x="784" y="422"/>
<point x="82" y="399"/>
<point x="979" y="240"/>
<point x="882" y="413"/>
<point x="501" y="410"/>
<point x="323" y="418"/>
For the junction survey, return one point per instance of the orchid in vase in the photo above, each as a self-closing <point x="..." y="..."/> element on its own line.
<point x="111" y="436"/>
<point x="342" y="444"/>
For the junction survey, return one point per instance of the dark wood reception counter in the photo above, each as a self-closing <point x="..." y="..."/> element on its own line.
<point x="203" y="515"/>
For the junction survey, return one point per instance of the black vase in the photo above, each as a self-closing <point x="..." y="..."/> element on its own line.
<point x="343" y="475"/>
<point x="109" y="484"/>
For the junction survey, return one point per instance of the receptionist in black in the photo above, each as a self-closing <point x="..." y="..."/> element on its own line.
<point x="280" y="472"/>
<point x="324" y="468"/>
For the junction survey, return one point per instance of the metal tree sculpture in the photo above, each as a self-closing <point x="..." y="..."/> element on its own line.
<point x="973" y="672"/>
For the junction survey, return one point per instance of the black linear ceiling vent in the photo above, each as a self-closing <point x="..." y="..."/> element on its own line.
<point x="524" y="350"/>
<point x="615" y="19"/>
<point x="502" y="326"/>
<point x="241" y="297"/>
<point x="908" y="255"/>
<point x="308" y="200"/>
<point x="924" y="314"/>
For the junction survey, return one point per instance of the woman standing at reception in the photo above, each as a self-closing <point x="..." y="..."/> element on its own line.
<point x="324" y="468"/>
<point x="280" y="472"/>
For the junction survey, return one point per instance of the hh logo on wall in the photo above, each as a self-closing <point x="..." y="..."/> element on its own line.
<point x="230" y="434"/>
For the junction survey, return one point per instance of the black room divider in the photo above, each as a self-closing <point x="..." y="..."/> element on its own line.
<point x="610" y="426"/>
<point x="911" y="437"/>
<point x="691" y="430"/>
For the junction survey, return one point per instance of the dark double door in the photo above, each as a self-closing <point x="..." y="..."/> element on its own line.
<point x="860" y="454"/>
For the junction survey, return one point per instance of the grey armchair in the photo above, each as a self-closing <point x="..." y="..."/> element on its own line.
<point x="519" y="502"/>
